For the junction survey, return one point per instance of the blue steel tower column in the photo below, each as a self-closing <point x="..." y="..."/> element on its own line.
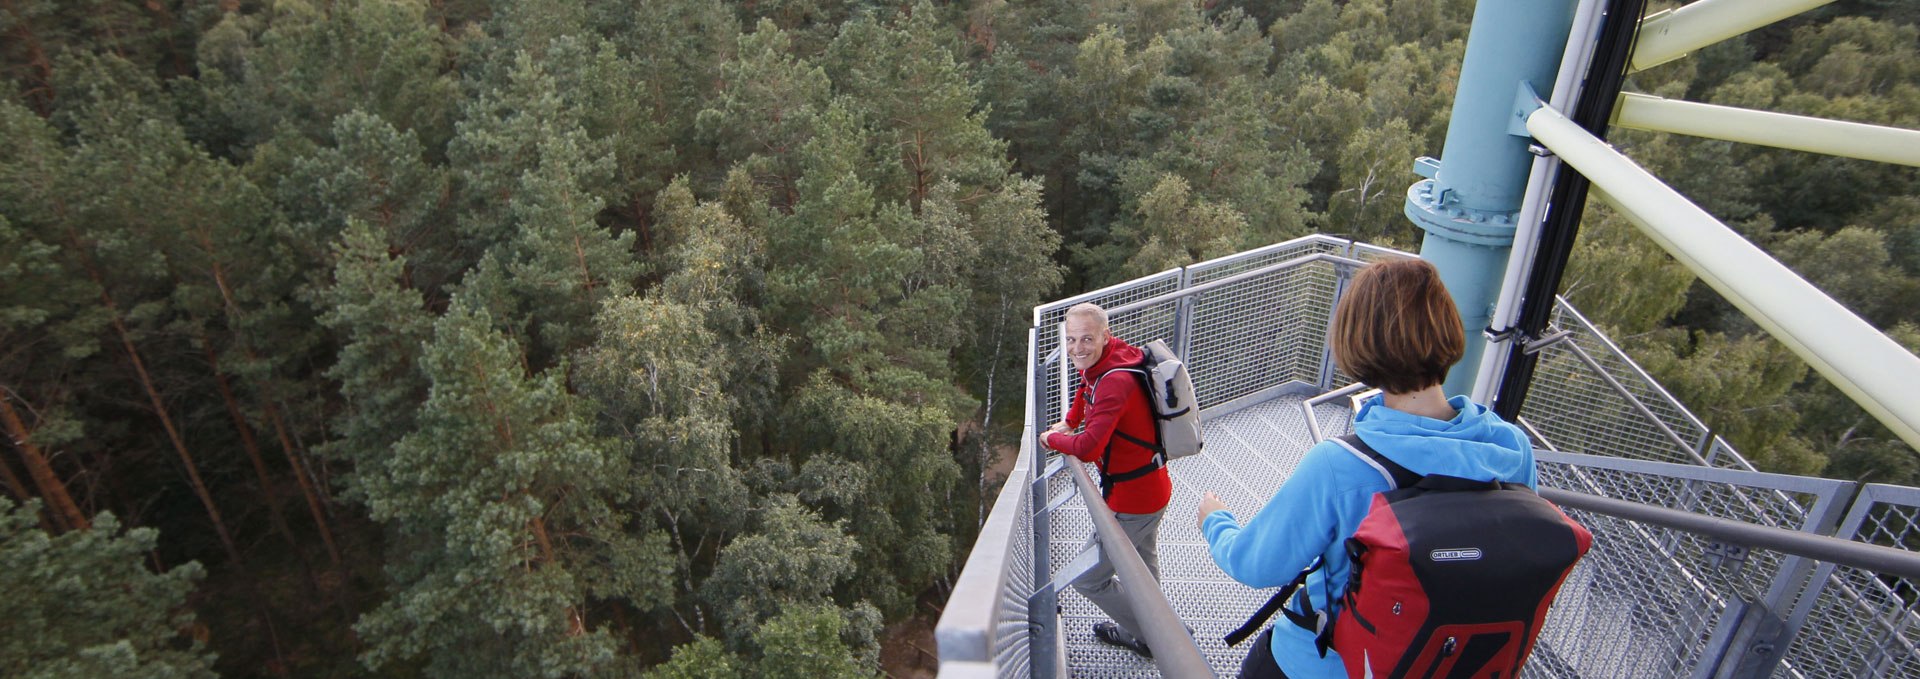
<point x="1468" y="206"/>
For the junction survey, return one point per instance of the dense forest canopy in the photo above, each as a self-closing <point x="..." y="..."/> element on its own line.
<point x="675" y="338"/>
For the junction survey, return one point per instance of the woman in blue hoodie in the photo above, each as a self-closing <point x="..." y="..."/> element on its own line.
<point x="1395" y="329"/>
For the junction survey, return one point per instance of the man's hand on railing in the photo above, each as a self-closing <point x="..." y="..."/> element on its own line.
<point x="1057" y="428"/>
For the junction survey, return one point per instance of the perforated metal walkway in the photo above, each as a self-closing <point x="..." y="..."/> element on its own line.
<point x="1249" y="453"/>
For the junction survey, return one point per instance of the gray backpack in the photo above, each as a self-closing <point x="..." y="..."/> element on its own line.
<point x="1176" y="413"/>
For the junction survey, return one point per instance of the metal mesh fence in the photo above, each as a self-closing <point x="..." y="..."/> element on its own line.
<point x="1860" y="623"/>
<point x="1261" y="332"/>
<point x="1588" y="397"/>
<point x="1012" y="645"/>
<point x="1647" y="601"/>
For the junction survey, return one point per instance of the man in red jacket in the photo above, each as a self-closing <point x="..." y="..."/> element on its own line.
<point x="1118" y="428"/>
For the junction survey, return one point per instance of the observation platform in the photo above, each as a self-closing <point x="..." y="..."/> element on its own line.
<point x="1249" y="454"/>
<point x="1648" y="601"/>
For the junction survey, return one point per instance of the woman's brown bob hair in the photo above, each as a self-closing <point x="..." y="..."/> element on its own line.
<point x="1396" y="328"/>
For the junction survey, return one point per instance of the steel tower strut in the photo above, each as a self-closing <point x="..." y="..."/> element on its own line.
<point x="1613" y="51"/>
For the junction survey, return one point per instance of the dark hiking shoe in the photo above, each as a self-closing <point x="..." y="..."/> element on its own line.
<point x="1110" y="633"/>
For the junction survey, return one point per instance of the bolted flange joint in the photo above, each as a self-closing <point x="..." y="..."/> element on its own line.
<point x="1429" y="207"/>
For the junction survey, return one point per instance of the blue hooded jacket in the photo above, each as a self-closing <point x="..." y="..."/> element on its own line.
<point x="1322" y="504"/>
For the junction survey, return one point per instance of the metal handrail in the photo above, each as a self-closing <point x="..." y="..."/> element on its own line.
<point x="1230" y="280"/>
<point x="1174" y="651"/>
<point x="1307" y="406"/>
<point x="1817" y="547"/>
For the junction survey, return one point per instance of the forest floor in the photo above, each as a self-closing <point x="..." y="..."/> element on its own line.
<point x="908" y="650"/>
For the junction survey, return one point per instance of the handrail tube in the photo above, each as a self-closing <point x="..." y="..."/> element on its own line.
<point x="1875" y="371"/>
<point x="964" y="632"/>
<point x="1165" y="297"/>
<point x="1040" y="311"/>
<point x="1313" y="421"/>
<point x="1672" y="34"/>
<point x="1767" y="128"/>
<point x="1861" y="555"/>
<point x="1174" y="651"/>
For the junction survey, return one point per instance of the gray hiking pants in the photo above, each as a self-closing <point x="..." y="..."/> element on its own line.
<point x="1100" y="586"/>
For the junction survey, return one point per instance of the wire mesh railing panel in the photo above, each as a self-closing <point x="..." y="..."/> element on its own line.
<point x="1263" y="331"/>
<point x="1861" y="623"/>
<point x="1242" y="262"/>
<point x="1646" y="601"/>
<point x="1721" y="454"/>
<point x="1012" y="643"/>
<point x="1627" y="610"/>
<point x="1047" y="319"/>
<point x="1588" y="397"/>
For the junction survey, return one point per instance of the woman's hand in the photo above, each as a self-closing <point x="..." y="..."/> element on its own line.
<point x="1209" y="503"/>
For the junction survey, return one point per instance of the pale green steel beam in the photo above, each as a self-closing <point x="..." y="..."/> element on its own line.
<point x="1669" y="35"/>
<point x="1870" y="368"/>
<point x="1766" y="128"/>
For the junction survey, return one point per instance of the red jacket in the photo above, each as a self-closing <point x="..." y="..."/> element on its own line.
<point x="1119" y="403"/>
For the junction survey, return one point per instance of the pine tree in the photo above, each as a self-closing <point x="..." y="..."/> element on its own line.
<point x="83" y="604"/>
<point x="382" y="327"/>
<point x="765" y="110"/>
<point x="137" y="169"/>
<point x="562" y="262"/>
<point x="379" y="175"/>
<point x="47" y="320"/>
<point x="904" y="82"/>
<point x="301" y="64"/>
<point x="500" y="503"/>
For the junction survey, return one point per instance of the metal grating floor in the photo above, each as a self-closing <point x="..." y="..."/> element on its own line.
<point x="1249" y="453"/>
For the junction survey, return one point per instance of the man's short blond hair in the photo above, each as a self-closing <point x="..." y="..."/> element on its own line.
<point x="1088" y="310"/>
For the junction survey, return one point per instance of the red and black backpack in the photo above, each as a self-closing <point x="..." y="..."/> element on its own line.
<point x="1450" y="578"/>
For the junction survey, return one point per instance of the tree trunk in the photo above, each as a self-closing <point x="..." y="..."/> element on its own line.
<point x="166" y="420"/>
<point x="19" y="490"/>
<point x="272" y="411"/>
<point x="301" y="475"/>
<point x="14" y="484"/>
<point x="251" y="445"/>
<point x="52" y="489"/>
<point x="576" y="622"/>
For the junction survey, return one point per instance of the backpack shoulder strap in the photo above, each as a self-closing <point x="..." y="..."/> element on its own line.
<point x="1093" y="387"/>
<point x="1108" y="478"/>
<point x="1397" y="476"/>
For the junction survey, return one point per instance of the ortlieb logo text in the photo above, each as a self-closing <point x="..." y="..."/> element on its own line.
<point x="1458" y="554"/>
